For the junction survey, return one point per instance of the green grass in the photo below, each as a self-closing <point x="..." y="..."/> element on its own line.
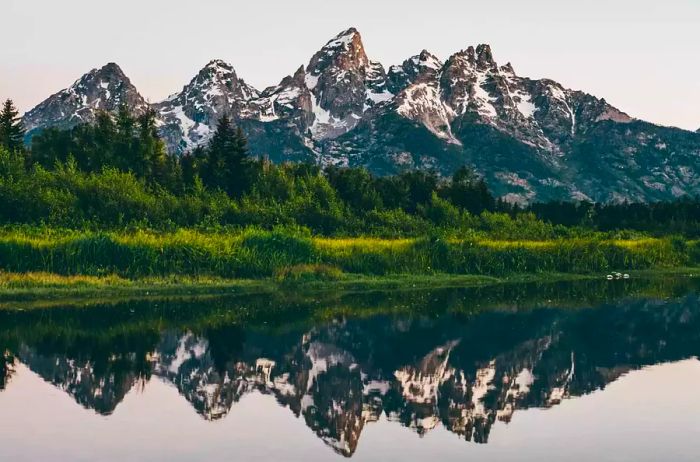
<point x="253" y="254"/>
<point x="41" y="263"/>
<point x="18" y="289"/>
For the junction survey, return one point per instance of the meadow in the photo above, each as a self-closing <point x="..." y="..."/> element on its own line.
<point x="295" y="255"/>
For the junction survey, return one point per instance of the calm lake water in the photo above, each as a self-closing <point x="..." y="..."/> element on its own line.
<point x="603" y="371"/>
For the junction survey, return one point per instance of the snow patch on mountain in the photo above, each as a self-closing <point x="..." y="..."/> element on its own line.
<point x="422" y="102"/>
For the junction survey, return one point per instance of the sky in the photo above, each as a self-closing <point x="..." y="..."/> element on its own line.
<point x="642" y="56"/>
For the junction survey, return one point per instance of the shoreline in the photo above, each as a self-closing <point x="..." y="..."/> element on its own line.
<point x="41" y="290"/>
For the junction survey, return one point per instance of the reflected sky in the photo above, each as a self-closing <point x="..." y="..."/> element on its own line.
<point x="582" y="371"/>
<point x="649" y="415"/>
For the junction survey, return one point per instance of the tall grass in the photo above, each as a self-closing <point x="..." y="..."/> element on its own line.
<point x="255" y="253"/>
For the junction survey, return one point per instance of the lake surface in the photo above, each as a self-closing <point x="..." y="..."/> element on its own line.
<point x="604" y="371"/>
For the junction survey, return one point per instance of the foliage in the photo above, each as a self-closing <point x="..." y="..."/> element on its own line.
<point x="11" y="128"/>
<point x="254" y="253"/>
<point x="127" y="208"/>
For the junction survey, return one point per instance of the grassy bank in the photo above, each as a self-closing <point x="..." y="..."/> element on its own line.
<point x="23" y="291"/>
<point x="19" y="290"/>
<point x="296" y="255"/>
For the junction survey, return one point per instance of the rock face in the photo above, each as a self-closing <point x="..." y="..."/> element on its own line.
<point x="531" y="139"/>
<point x="187" y="117"/>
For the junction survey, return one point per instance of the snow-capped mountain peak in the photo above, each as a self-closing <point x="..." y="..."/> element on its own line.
<point x="188" y="118"/>
<point x="103" y="89"/>
<point x="345" y="50"/>
<point x="484" y="57"/>
<point x="419" y="67"/>
<point x="343" y="84"/>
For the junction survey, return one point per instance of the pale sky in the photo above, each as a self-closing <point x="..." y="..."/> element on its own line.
<point x="641" y="55"/>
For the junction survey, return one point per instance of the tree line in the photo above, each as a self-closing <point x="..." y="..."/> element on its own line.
<point x="117" y="171"/>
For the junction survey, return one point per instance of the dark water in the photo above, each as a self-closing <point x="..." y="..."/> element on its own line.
<point x="588" y="371"/>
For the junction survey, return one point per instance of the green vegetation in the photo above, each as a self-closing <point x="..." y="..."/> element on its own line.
<point x="294" y="254"/>
<point x="105" y="201"/>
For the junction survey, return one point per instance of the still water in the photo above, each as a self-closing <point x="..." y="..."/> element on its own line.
<point x="579" y="371"/>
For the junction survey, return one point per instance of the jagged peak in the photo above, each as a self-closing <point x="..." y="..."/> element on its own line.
<point x="108" y="76"/>
<point x="345" y="39"/>
<point x="219" y="64"/>
<point x="484" y="54"/>
<point x="467" y="55"/>
<point x="110" y="71"/>
<point x="217" y="78"/>
<point x="299" y="72"/>
<point x="345" y="50"/>
<point x="297" y="79"/>
<point x="507" y="69"/>
<point x="112" y="68"/>
<point x="427" y="59"/>
<point x="480" y="57"/>
<point x="217" y="69"/>
<point x="422" y="61"/>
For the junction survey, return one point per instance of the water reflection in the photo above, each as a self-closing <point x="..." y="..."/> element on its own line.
<point x="465" y="360"/>
<point x="7" y="368"/>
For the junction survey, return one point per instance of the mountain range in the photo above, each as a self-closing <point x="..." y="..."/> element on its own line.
<point x="532" y="140"/>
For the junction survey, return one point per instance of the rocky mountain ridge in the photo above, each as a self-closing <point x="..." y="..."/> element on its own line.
<point x="531" y="139"/>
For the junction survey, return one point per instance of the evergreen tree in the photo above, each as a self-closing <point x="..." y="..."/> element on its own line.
<point x="53" y="145"/>
<point x="11" y="128"/>
<point x="150" y="159"/>
<point x="214" y="175"/>
<point x="227" y="156"/>
<point x="125" y="153"/>
<point x="469" y="192"/>
<point x="238" y="165"/>
<point x="355" y="186"/>
<point x="419" y="186"/>
<point x="191" y="164"/>
<point x="100" y="139"/>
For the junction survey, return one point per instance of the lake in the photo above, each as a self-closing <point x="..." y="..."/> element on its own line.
<point x="593" y="370"/>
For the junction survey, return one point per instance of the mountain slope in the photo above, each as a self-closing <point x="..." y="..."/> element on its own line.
<point x="531" y="139"/>
<point x="187" y="118"/>
<point x="101" y="89"/>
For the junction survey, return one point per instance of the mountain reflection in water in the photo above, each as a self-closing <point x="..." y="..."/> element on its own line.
<point x="465" y="360"/>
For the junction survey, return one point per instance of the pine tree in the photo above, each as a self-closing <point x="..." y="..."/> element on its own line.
<point x="214" y="174"/>
<point x="236" y="164"/>
<point x="104" y="134"/>
<point x="125" y="153"/>
<point x="11" y="128"/>
<point x="190" y="166"/>
<point x="225" y="166"/>
<point x="470" y="192"/>
<point x="150" y="159"/>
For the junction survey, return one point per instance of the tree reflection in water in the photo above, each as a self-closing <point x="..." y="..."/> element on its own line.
<point x="463" y="359"/>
